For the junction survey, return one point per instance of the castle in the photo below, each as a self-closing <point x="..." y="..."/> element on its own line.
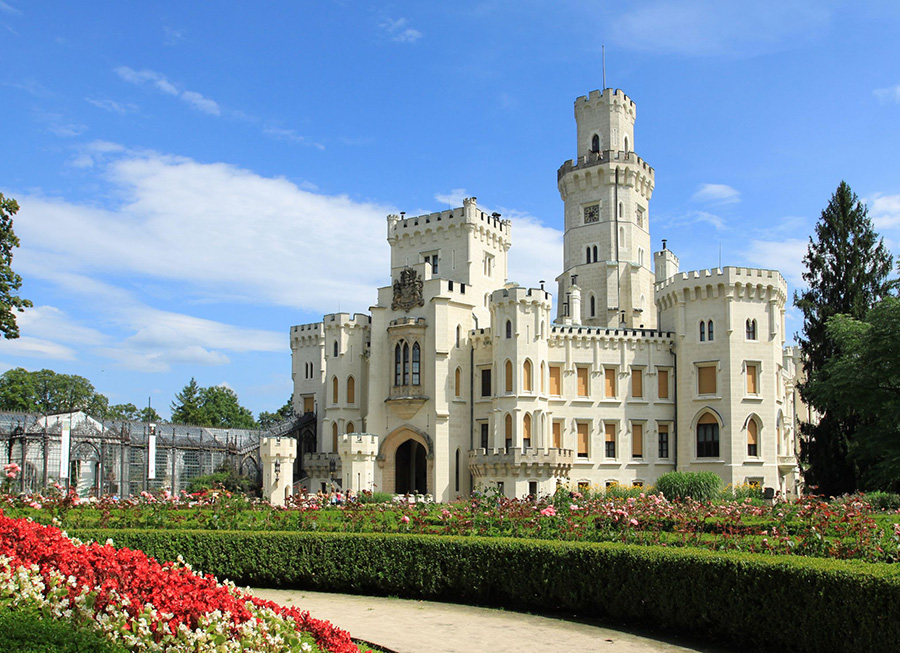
<point x="457" y="380"/>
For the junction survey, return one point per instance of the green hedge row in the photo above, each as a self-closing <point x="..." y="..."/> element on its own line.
<point x="754" y="601"/>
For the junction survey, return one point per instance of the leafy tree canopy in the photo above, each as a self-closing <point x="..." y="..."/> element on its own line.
<point x="47" y="392"/>
<point x="131" y="412"/>
<point x="267" y="420"/>
<point x="10" y="282"/>
<point x="215" y="406"/>
<point x="862" y="382"/>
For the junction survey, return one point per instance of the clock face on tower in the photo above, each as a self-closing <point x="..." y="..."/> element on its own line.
<point x="592" y="213"/>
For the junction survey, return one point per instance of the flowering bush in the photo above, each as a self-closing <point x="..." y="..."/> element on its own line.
<point x="145" y="605"/>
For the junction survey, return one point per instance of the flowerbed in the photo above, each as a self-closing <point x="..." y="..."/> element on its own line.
<point x="848" y="529"/>
<point x="142" y="604"/>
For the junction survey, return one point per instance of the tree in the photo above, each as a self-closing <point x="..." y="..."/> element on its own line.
<point x="48" y="392"/>
<point x="10" y="303"/>
<point x="132" y="413"/>
<point x="267" y="420"/>
<point x="186" y="407"/>
<point x="862" y="381"/>
<point x="847" y="269"/>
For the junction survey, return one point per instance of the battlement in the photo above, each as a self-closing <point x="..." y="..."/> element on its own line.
<point x="606" y="96"/>
<point x="729" y="276"/>
<point x="518" y="294"/>
<point x="468" y="213"/>
<point x="312" y="328"/>
<point x="338" y="320"/>
<point x="581" y="330"/>
<point x="408" y="321"/>
<point x="606" y="157"/>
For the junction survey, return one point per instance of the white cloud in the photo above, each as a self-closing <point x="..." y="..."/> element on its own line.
<point x="453" y="199"/>
<point x="786" y="256"/>
<point x="890" y="94"/>
<point x="716" y="194"/>
<point x="689" y="218"/>
<point x="112" y="105"/>
<point x="172" y="36"/>
<point x="399" y="30"/>
<point x="536" y="252"/>
<point x="36" y="348"/>
<point x="290" y="135"/>
<point x="49" y="322"/>
<point x="159" y="81"/>
<point x="9" y="9"/>
<point x="884" y="210"/>
<point x="59" y="125"/>
<point x="720" y="27"/>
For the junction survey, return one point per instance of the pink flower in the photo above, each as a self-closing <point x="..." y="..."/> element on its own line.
<point x="549" y="511"/>
<point x="404" y="519"/>
<point x="35" y="505"/>
<point x="633" y="522"/>
<point x="12" y="470"/>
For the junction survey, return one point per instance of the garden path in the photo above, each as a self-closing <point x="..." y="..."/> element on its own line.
<point x="408" y="626"/>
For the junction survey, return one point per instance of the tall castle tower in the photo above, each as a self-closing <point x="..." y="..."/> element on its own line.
<point x="606" y="247"/>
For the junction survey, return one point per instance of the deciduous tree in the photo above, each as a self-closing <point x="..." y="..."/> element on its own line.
<point x="10" y="282"/>
<point x="47" y="392"/>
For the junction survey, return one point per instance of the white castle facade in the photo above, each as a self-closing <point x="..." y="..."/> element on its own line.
<point x="457" y="380"/>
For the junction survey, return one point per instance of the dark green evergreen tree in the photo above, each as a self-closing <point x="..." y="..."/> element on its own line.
<point x="847" y="272"/>
<point x="186" y="407"/>
<point x="10" y="303"/>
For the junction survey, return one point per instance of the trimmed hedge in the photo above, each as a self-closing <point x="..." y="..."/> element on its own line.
<point x="754" y="601"/>
<point x="700" y="486"/>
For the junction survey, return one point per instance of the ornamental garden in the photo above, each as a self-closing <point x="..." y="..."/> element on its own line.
<point x="687" y="557"/>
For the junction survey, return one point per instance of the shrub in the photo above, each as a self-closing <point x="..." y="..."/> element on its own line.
<point x="700" y="486"/>
<point x="752" y="601"/>
<point x="744" y="491"/>
<point x="27" y="631"/>
<point x="883" y="500"/>
<point x="374" y="497"/>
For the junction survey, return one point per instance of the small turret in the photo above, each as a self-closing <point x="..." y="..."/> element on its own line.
<point x="665" y="263"/>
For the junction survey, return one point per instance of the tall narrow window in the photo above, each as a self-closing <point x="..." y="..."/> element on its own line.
<point x="335" y="397"/>
<point x="557" y="435"/>
<point x="595" y="143"/>
<point x="752" y="379"/>
<point x="752" y="438"/>
<point x="593" y="306"/>
<point x="587" y="255"/>
<point x="350" y="428"/>
<point x="457" y="336"/>
<point x="334" y="436"/>
<point x="508" y="329"/>
<point x="456" y="471"/>
<point x="583" y="439"/>
<point x="486" y="383"/>
<point x="335" y="348"/>
<point x="609" y="376"/>
<point x="702" y="331"/>
<point x="526" y="431"/>
<point x="626" y="144"/>
<point x="543" y="383"/>
<point x="555" y="380"/>
<point x="706" y="380"/>
<point x="662" y="381"/>
<point x="751" y="329"/>
<point x="637" y="383"/>
<point x="509" y="376"/>
<point x="707" y="437"/>
<point x="610" y="432"/>
<point x="663" y="434"/>
<point x="508" y="431"/>
<point x="456" y="382"/>
<point x="584" y="387"/>
<point x="484" y="435"/>
<point x="351" y="390"/>
<point x="637" y="440"/>
<point x="709" y="330"/>
<point x="398" y="364"/>
<point x="527" y="381"/>
<point x="595" y="254"/>
<point x="415" y="363"/>
<point x="405" y="363"/>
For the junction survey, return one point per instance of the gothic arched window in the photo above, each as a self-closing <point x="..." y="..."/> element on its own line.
<point x="508" y="329"/>
<point x="709" y="330"/>
<point x="702" y="331"/>
<point x="405" y="363"/>
<point x="595" y="143"/>
<point x="595" y="254"/>
<point x="593" y="306"/>
<point x="335" y="348"/>
<point x="415" y="363"/>
<point x="751" y="329"/>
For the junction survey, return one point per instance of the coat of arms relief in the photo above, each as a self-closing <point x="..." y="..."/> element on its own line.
<point x="407" y="290"/>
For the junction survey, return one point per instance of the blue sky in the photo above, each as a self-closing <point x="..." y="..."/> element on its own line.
<point x="196" y="178"/>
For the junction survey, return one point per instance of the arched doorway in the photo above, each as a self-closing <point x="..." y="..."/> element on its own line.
<point x="411" y="470"/>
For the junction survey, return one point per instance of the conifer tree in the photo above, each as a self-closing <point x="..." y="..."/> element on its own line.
<point x="847" y="270"/>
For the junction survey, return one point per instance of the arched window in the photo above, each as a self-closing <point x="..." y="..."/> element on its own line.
<point x="751" y="329"/>
<point x="351" y="390"/>
<point x="702" y="331"/>
<point x="527" y="383"/>
<point x="415" y="363"/>
<point x="509" y="431"/>
<point x="621" y="209"/>
<point x="595" y="254"/>
<point x="707" y="436"/>
<point x="509" y="376"/>
<point x="543" y="388"/>
<point x="334" y="390"/>
<point x="335" y="348"/>
<point x="405" y="363"/>
<point x="593" y="306"/>
<point x="508" y="329"/>
<point x="456" y="382"/>
<point x="709" y="330"/>
<point x="587" y="255"/>
<point x="457" y="335"/>
<point x="595" y="143"/>
<point x="334" y="436"/>
<point x="752" y="438"/>
<point x="626" y="144"/>
<point x="398" y="364"/>
<point x="621" y="236"/>
<point x="526" y="431"/>
<point x="350" y="428"/>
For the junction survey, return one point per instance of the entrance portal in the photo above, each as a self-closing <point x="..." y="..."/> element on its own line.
<point x="411" y="469"/>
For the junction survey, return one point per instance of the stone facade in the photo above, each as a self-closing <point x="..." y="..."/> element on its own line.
<point x="459" y="379"/>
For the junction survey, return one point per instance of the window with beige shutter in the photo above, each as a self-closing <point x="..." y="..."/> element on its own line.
<point x="637" y="440"/>
<point x="583" y="436"/>
<point x="509" y="376"/>
<point x="610" y="382"/>
<point x="526" y="431"/>
<point x="508" y="431"/>
<point x="527" y="382"/>
<point x="543" y="382"/>
<point x="706" y="380"/>
<point x="555" y="380"/>
<point x="752" y="379"/>
<point x="662" y="379"/>
<point x="752" y="438"/>
<point x="637" y="383"/>
<point x="584" y="388"/>
<point x="557" y="435"/>
<point x="334" y="436"/>
<point x="351" y="390"/>
<point x="334" y="390"/>
<point x="456" y="382"/>
<point x="309" y="404"/>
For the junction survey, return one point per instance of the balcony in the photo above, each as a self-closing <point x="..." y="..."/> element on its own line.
<point x="786" y="463"/>
<point x="530" y="463"/>
<point x="326" y="464"/>
<point x="405" y="400"/>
